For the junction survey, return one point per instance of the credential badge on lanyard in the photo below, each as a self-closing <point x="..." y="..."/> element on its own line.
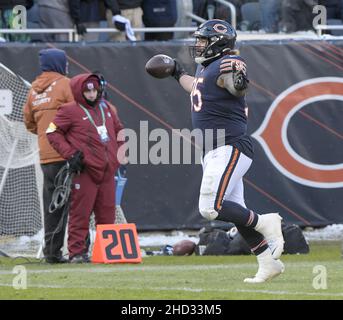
<point x="102" y="130"/>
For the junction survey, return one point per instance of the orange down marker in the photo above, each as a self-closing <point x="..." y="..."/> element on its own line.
<point x="116" y="243"/>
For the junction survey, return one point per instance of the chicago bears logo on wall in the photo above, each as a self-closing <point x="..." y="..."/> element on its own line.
<point x="272" y="134"/>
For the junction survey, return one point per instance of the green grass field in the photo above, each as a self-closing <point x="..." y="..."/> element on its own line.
<point x="164" y="277"/>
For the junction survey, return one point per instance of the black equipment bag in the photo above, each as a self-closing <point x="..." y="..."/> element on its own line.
<point x="220" y="242"/>
<point x="295" y="241"/>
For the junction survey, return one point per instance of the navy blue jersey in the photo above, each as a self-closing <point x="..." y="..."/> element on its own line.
<point x="215" y="108"/>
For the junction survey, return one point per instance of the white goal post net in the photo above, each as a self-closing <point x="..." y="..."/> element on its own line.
<point x="20" y="174"/>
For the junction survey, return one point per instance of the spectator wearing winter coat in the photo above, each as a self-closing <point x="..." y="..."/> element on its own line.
<point x="50" y="90"/>
<point x="60" y="14"/>
<point x="297" y="15"/>
<point x="85" y="133"/>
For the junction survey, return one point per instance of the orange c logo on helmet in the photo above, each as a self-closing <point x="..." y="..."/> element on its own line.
<point x="272" y="134"/>
<point x="220" y="28"/>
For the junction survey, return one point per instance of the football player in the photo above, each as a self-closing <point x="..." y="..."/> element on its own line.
<point x="217" y="93"/>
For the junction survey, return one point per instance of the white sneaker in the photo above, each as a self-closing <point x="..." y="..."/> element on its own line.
<point x="268" y="269"/>
<point x="269" y="225"/>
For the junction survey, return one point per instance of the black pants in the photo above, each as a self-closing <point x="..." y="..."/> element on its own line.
<point x="54" y="226"/>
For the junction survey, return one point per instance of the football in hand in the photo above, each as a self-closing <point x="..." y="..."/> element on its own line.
<point x="183" y="248"/>
<point x="160" y="66"/>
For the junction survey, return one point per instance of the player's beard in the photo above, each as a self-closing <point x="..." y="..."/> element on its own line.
<point x="196" y="52"/>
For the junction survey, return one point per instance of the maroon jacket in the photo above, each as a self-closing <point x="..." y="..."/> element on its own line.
<point x="71" y="130"/>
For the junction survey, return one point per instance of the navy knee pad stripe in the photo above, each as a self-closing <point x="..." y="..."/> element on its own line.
<point x="225" y="179"/>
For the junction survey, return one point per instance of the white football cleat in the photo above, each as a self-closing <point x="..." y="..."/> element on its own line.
<point x="269" y="225"/>
<point x="268" y="269"/>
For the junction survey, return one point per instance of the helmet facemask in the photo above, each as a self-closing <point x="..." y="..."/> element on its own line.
<point x="216" y="46"/>
<point x="198" y="50"/>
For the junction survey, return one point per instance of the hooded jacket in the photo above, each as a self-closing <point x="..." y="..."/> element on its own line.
<point x="72" y="131"/>
<point x="49" y="91"/>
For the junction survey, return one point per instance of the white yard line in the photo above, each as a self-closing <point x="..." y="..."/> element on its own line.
<point x="271" y="292"/>
<point x="340" y="294"/>
<point x="116" y="267"/>
<point x="250" y="291"/>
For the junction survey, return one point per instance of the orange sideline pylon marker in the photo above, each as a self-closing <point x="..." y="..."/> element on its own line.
<point x="116" y="243"/>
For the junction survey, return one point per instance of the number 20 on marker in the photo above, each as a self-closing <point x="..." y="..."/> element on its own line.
<point x="116" y="243"/>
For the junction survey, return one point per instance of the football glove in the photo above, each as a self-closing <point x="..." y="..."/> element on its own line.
<point x="179" y="71"/>
<point x="240" y="80"/>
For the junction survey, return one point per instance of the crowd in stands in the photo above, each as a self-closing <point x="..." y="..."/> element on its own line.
<point x="270" y="16"/>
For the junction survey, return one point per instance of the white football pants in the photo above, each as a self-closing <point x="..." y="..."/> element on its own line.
<point x="223" y="171"/>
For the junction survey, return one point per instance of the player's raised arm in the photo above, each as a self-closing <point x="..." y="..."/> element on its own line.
<point x="182" y="77"/>
<point x="233" y="77"/>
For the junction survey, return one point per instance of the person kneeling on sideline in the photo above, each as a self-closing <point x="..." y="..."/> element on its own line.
<point x="85" y="134"/>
